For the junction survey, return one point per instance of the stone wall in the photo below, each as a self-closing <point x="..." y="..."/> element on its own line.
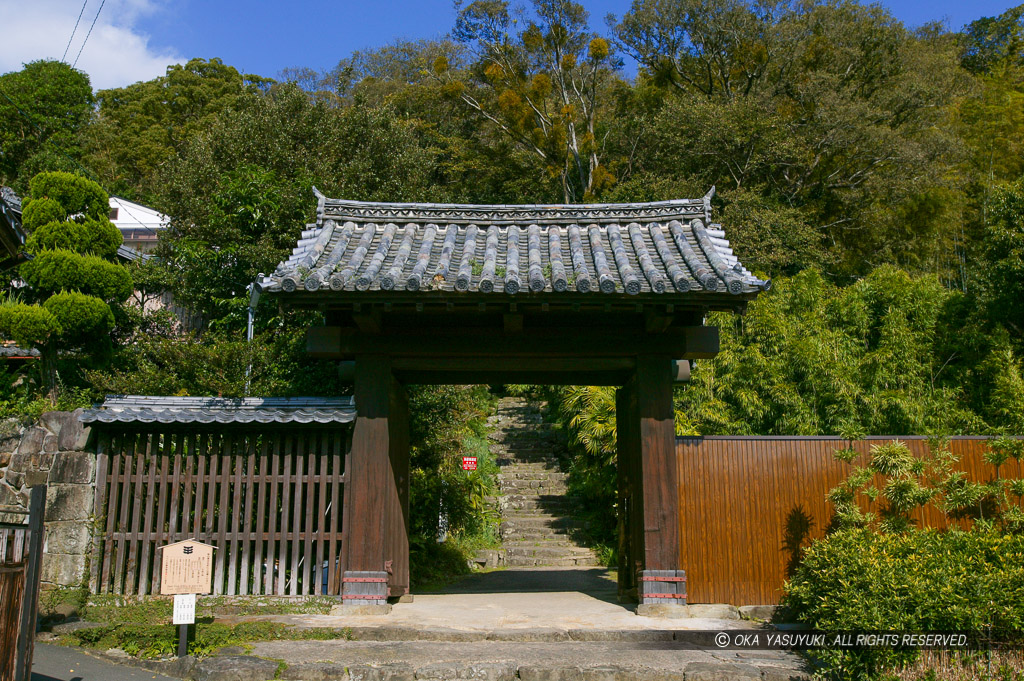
<point x="52" y="452"/>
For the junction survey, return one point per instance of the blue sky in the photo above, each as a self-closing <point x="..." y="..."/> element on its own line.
<point x="136" y="39"/>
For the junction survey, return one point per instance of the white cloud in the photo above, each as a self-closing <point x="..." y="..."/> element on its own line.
<point x="116" y="54"/>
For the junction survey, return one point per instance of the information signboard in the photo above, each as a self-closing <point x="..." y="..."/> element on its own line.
<point x="186" y="568"/>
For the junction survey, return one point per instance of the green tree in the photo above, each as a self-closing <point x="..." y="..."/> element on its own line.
<point x="831" y="112"/>
<point x="874" y="357"/>
<point x="239" y="194"/>
<point x="140" y="126"/>
<point x="43" y="107"/>
<point x="992" y="40"/>
<point x="1003" y="271"/>
<point x="542" y="87"/>
<point x="72" y="280"/>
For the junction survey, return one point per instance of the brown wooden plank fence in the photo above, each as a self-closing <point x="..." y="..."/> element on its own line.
<point x="267" y="497"/>
<point x="21" y="547"/>
<point x="747" y="505"/>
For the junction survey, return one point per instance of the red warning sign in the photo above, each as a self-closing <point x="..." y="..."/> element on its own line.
<point x="469" y="463"/>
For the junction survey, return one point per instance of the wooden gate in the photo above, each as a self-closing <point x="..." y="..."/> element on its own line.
<point x="269" y="498"/>
<point x="21" y="549"/>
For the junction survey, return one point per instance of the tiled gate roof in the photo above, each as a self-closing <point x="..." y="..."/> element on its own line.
<point x="665" y="247"/>
<point x="191" y="410"/>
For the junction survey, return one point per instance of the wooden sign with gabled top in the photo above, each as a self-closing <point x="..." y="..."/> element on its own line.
<point x="187" y="568"/>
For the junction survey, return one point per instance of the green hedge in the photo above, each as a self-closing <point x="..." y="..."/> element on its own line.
<point x="922" y="580"/>
<point x="84" y="320"/>
<point x="39" y="212"/>
<point x="29" y="325"/>
<point x="74" y="193"/>
<point x="62" y="270"/>
<point x="95" y="237"/>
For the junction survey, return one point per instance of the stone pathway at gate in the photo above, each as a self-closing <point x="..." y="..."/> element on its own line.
<point x="536" y="514"/>
<point x="520" y="624"/>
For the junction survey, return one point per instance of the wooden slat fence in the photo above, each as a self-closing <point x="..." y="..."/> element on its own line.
<point x="21" y="547"/>
<point x="747" y="505"/>
<point x="269" y="499"/>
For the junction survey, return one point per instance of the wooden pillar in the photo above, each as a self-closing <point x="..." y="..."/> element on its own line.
<point x="630" y="493"/>
<point x="658" y="463"/>
<point x="375" y="516"/>
<point x="396" y="528"/>
<point x="649" y="488"/>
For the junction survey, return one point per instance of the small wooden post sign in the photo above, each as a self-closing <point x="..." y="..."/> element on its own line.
<point x="186" y="569"/>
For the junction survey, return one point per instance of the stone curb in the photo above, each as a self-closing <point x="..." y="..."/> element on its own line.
<point x="396" y="633"/>
<point x="251" y="668"/>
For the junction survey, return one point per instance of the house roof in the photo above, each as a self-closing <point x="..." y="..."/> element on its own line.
<point x="131" y="254"/>
<point x="10" y="350"/>
<point x="669" y="248"/>
<point x="133" y="215"/>
<point x="154" y="409"/>
<point x="12" y="236"/>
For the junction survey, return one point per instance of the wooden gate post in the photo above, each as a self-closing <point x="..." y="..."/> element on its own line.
<point x="375" y="547"/>
<point x="630" y="492"/>
<point x="30" y="596"/>
<point x="396" y="526"/>
<point x="651" y="456"/>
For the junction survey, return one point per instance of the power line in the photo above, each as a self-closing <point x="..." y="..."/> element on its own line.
<point x="89" y="33"/>
<point x="74" y="30"/>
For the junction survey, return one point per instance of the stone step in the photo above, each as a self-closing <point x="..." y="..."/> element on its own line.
<point x="536" y="509"/>
<point x="514" y="428"/>
<point x="530" y="476"/>
<point x="504" y="460"/>
<point x="536" y="474"/>
<point x="527" y="519"/>
<point x="533" y="486"/>
<point x="534" y="534"/>
<point x="528" y="468"/>
<point x="522" y="502"/>
<point x="525" y="448"/>
<point x="523" y="561"/>
<point x="526" y="455"/>
<point x="553" y="546"/>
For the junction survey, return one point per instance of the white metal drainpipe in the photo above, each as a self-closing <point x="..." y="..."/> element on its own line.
<point x="254" y="299"/>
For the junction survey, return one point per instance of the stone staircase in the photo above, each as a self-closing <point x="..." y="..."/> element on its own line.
<point x="536" y="513"/>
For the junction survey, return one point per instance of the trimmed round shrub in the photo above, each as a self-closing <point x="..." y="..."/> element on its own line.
<point x="83" y="319"/>
<point x="38" y="212"/>
<point x="63" y="270"/>
<point x="29" y="325"/>
<point x="95" y="237"/>
<point x="75" y="194"/>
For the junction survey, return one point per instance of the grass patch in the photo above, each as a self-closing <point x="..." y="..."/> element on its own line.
<point x="112" y="609"/>
<point x="152" y="641"/>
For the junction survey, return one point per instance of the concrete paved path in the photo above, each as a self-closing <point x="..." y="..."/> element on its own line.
<point x="558" y="599"/>
<point x="57" y="663"/>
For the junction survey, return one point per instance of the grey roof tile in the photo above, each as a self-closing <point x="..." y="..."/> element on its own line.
<point x="663" y="247"/>
<point x="154" y="409"/>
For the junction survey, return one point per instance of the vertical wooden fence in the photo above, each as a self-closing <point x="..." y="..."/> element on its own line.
<point x="748" y="504"/>
<point x="269" y="498"/>
<point x="21" y="547"/>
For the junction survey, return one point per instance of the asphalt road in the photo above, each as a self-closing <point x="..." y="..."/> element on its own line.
<point x="57" y="663"/>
